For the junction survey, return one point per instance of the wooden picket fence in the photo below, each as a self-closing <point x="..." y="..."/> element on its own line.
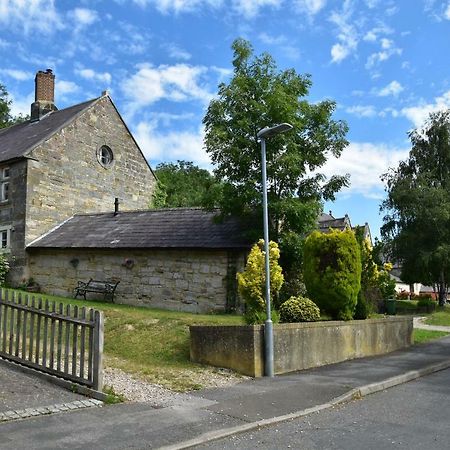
<point x="64" y="341"/>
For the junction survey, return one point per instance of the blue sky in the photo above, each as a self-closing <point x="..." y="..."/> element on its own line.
<point x="384" y="62"/>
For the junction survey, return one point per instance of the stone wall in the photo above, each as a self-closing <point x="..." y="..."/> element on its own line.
<point x="298" y="346"/>
<point x="12" y="215"/>
<point x="65" y="176"/>
<point x="184" y="280"/>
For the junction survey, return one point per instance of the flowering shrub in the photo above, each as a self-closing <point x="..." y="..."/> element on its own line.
<point x="251" y="282"/>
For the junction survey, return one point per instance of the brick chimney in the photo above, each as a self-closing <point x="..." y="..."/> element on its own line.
<point x="44" y="95"/>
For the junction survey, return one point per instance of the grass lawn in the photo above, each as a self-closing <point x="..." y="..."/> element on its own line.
<point x="420" y="336"/>
<point x="153" y="343"/>
<point x="440" y="317"/>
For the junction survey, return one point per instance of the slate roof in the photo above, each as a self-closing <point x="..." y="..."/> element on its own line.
<point x="18" y="140"/>
<point x="180" y="228"/>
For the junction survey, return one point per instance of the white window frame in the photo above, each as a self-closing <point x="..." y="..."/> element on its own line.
<point x="5" y="229"/>
<point x="4" y="184"/>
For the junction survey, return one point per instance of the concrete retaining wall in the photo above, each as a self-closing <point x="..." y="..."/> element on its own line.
<point x="298" y="346"/>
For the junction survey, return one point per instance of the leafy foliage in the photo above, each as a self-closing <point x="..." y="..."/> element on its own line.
<point x="260" y="95"/>
<point x="183" y="184"/>
<point x="299" y="309"/>
<point x="251" y="282"/>
<point x="6" y="118"/>
<point x="332" y="272"/>
<point x="4" y="268"/>
<point x="417" y="221"/>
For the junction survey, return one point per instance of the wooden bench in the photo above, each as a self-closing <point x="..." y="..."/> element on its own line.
<point x="107" y="288"/>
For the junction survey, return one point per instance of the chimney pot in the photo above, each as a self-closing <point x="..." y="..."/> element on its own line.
<point x="116" y="206"/>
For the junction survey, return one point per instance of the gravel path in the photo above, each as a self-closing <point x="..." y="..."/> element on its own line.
<point x="135" y="389"/>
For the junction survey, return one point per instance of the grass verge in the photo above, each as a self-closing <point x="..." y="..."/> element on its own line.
<point x="421" y="336"/>
<point x="440" y="317"/>
<point x="152" y="343"/>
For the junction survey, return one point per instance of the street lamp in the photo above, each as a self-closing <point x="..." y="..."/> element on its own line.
<point x="268" y="327"/>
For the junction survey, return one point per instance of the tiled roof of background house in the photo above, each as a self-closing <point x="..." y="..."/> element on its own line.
<point x="18" y="140"/>
<point x="159" y="228"/>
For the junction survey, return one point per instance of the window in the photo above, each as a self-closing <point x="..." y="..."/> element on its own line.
<point x="105" y="156"/>
<point x="4" y="184"/>
<point x="5" y="235"/>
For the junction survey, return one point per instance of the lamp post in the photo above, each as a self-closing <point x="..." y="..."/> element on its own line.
<point x="268" y="326"/>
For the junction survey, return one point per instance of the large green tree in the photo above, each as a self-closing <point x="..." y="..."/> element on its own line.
<point x="260" y="95"/>
<point x="6" y="118"/>
<point x="184" y="184"/>
<point x="417" y="221"/>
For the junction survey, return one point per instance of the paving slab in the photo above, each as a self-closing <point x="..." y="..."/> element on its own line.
<point x="19" y="391"/>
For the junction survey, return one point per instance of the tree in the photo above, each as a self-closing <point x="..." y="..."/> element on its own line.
<point x="184" y="184"/>
<point x="6" y="118"/>
<point x="332" y="272"/>
<point x="417" y="221"/>
<point x="260" y="95"/>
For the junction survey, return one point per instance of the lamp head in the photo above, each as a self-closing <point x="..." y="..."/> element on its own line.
<point x="272" y="131"/>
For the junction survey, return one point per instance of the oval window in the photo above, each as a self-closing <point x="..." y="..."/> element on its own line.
<point x="105" y="156"/>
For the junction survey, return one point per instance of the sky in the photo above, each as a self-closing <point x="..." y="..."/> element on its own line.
<point x="384" y="62"/>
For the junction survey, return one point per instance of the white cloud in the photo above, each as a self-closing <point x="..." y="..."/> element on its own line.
<point x="21" y="105"/>
<point x="178" y="6"/>
<point x="172" y="145"/>
<point x="26" y="14"/>
<point x="362" y="110"/>
<point x="447" y="12"/>
<point x="19" y="75"/>
<point x="63" y="88"/>
<point x="365" y="162"/>
<point x="250" y="8"/>
<point x="347" y="34"/>
<point x="378" y="57"/>
<point x="247" y="8"/>
<point x="419" y="114"/>
<point x="310" y="7"/>
<point x="393" y="88"/>
<point x="176" y="83"/>
<point x="83" y="16"/>
<point x="89" y="74"/>
<point x="177" y="52"/>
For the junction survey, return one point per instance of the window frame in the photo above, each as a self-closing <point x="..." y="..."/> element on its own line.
<point x="5" y="174"/>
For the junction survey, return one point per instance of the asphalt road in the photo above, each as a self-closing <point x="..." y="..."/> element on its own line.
<point x="414" y="415"/>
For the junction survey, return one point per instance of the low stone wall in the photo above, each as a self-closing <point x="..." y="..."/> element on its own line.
<point x="298" y="346"/>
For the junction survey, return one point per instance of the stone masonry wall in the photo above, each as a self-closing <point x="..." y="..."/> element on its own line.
<point x="183" y="280"/>
<point x="12" y="214"/>
<point x="65" y="176"/>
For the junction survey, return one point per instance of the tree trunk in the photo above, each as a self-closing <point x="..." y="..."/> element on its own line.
<point x="442" y="289"/>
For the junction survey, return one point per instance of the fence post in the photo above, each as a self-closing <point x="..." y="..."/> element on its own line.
<point x="98" y="352"/>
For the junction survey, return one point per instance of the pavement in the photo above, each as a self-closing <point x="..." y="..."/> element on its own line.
<point x="210" y="414"/>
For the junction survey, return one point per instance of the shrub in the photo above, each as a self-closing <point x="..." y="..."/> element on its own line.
<point x="251" y="282"/>
<point x="4" y="269"/>
<point x="425" y="301"/>
<point x="299" y="309"/>
<point x="332" y="272"/>
<point x="362" y="309"/>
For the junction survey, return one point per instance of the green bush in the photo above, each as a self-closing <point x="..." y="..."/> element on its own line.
<point x="4" y="269"/>
<point x="299" y="309"/>
<point x="425" y="301"/>
<point x="332" y="272"/>
<point x="363" y="307"/>
<point x="251" y="282"/>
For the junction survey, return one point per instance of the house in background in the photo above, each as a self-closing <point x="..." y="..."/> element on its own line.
<point x="60" y="173"/>
<point x="328" y="221"/>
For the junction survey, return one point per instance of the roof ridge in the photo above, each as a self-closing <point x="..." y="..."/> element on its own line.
<point x="150" y="210"/>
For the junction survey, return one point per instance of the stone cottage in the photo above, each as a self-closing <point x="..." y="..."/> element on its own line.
<point x="63" y="162"/>
<point x="61" y="170"/>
